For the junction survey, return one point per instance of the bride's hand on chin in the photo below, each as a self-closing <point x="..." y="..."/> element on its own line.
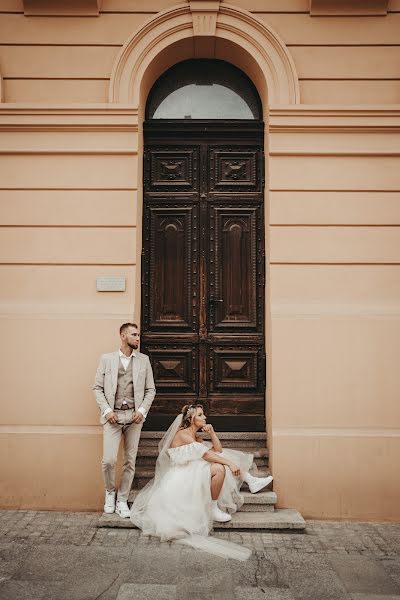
<point x="235" y="469"/>
<point x="207" y="429"/>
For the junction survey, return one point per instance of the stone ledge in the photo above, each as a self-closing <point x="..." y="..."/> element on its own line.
<point x="260" y="499"/>
<point x="284" y="518"/>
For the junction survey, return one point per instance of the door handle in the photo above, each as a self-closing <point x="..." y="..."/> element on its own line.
<point x="212" y="299"/>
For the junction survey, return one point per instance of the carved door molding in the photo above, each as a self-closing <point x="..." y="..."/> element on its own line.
<point x="203" y="279"/>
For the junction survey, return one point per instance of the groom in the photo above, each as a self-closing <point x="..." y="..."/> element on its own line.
<point x="124" y="390"/>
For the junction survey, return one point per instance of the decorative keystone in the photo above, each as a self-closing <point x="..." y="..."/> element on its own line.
<point x="204" y="15"/>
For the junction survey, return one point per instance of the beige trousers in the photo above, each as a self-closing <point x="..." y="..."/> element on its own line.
<point x="112" y="433"/>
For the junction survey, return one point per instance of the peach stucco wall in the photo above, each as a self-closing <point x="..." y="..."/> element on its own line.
<point x="70" y="211"/>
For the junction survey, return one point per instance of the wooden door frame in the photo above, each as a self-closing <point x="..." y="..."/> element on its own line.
<point x="225" y="132"/>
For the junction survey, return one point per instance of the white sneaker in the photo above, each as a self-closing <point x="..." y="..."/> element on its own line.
<point x="259" y="483"/>
<point x="109" y="502"/>
<point x="122" y="509"/>
<point x="219" y="515"/>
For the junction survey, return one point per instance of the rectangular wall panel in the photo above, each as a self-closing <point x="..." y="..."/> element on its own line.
<point x="331" y="208"/>
<point x="69" y="171"/>
<point x="334" y="142"/>
<point x="348" y="62"/>
<point x="55" y="90"/>
<point x="375" y="91"/>
<point x="303" y="29"/>
<point x="68" y="207"/>
<point x="61" y="62"/>
<point x="107" y="29"/>
<point x="356" y="382"/>
<point x="61" y="289"/>
<point x="335" y="244"/>
<point x="68" y="245"/>
<point x="334" y="173"/>
<point x="335" y="289"/>
<point x="351" y="457"/>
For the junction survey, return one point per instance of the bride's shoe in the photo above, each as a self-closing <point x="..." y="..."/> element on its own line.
<point x="219" y="515"/>
<point x="258" y="483"/>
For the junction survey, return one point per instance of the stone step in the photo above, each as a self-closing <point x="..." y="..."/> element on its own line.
<point x="229" y="439"/>
<point x="244" y="445"/>
<point x="143" y="474"/>
<point x="280" y="519"/>
<point x="147" y="456"/>
<point x="152" y="451"/>
<point x="149" y="463"/>
<point x="260" y="502"/>
<point x="223" y="435"/>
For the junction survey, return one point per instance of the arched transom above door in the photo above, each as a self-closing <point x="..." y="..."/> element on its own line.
<point x="205" y="29"/>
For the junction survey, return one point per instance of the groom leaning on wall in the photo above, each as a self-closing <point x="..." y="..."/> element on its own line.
<point x="124" y="390"/>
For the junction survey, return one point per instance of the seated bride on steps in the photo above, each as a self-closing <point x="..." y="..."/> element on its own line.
<point x="195" y="484"/>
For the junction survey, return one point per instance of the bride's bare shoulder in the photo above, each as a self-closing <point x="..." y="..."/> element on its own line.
<point x="181" y="438"/>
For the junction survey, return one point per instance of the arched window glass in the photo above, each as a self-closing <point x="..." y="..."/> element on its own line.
<point x="203" y="89"/>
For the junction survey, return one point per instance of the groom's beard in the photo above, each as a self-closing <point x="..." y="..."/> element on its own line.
<point x="134" y="346"/>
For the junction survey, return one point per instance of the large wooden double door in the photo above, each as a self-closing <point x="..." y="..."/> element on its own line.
<point x="203" y="275"/>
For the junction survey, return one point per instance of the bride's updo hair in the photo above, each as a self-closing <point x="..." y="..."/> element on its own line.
<point x="188" y="412"/>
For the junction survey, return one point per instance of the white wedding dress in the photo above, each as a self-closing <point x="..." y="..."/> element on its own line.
<point x="176" y="504"/>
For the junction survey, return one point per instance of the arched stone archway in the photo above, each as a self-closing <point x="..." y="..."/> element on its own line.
<point x="208" y="29"/>
<point x="202" y="29"/>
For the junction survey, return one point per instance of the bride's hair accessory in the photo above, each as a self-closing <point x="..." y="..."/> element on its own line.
<point x="188" y="412"/>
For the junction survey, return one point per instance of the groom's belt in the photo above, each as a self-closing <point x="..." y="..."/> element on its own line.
<point x="124" y="407"/>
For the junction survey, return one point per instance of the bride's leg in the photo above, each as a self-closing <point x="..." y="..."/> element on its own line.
<point x="217" y="479"/>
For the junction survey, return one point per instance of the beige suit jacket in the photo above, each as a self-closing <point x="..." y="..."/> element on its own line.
<point x="105" y="385"/>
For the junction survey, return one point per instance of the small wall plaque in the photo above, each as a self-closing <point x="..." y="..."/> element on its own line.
<point x="110" y="284"/>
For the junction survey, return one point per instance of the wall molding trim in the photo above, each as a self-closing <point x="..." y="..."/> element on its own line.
<point x="358" y="118"/>
<point x="56" y="117"/>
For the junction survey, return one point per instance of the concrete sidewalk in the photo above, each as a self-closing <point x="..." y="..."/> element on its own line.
<point x="65" y="556"/>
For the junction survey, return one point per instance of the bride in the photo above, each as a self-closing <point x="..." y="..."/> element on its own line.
<point x="195" y="484"/>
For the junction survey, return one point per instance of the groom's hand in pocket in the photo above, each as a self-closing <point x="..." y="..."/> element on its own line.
<point x="137" y="417"/>
<point x="111" y="417"/>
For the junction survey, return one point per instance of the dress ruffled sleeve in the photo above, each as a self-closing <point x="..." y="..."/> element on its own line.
<point x="186" y="453"/>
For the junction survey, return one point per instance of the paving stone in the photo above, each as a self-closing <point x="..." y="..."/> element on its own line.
<point x="206" y="586"/>
<point x="362" y="596"/>
<point x="257" y="593"/>
<point x="392" y="566"/>
<point x="362" y="574"/>
<point x="135" y="591"/>
<point x="30" y="590"/>
<point x="312" y="578"/>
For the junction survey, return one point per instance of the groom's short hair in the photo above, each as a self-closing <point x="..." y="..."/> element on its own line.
<point x="125" y="326"/>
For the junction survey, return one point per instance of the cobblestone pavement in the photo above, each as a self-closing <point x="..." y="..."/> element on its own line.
<point x="53" y="555"/>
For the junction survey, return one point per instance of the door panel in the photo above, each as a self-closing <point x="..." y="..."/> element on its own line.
<point x="203" y="274"/>
<point x="175" y="368"/>
<point x="234" y="279"/>
<point x="172" y="169"/>
<point x="235" y="169"/>
<point x="170" y="279"/>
